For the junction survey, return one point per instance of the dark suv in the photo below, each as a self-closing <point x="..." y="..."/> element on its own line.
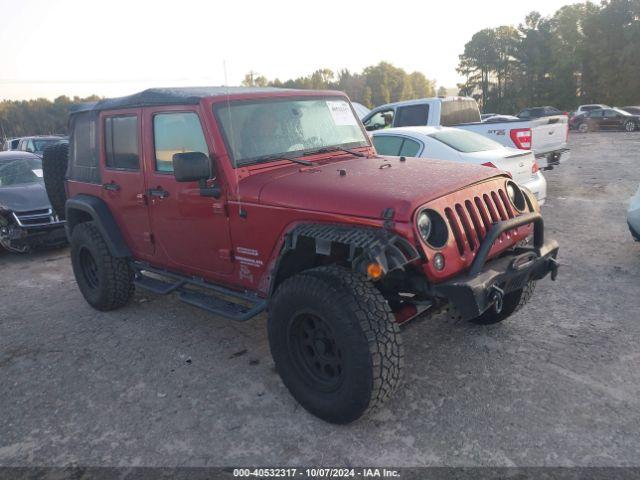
<point x="243" y="201"/>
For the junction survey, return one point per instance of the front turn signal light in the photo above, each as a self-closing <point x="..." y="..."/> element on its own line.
<point x="374" y="270"/>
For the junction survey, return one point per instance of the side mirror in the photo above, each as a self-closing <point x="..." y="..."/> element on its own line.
<point x="191" y="167"/>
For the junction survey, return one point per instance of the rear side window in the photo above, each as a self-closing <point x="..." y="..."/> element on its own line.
<point x="176" y="133"/>
<point x="457" y="111"/>
<point x="121" y="142"/>
<point x="465" y="142"/>
<point x="394" y="145"/>
<point x="387" y="144"/>
<point x="83" y="148"/>
<point x="412" y="116"/>
<point x="410" y="148"/>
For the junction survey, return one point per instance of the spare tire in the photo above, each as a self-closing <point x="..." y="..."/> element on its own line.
<point x="54" y="170"/>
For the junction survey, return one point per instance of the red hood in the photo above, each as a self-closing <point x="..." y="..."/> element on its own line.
<point x="366" y="189"/>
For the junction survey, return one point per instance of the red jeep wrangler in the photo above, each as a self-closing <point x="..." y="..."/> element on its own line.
<point x="250" y="200"/>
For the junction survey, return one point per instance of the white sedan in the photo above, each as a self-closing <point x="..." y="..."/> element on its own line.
<point x="445" y="143"/>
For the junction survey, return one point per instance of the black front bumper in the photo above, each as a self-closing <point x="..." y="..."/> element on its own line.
<point x="475" y="292"/>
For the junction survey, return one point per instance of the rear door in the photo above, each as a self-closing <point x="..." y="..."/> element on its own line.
<point x="191" y="232"/>
<point x="596" y="119"/>
<point x="123" y="187"/>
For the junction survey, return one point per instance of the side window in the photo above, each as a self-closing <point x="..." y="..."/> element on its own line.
<point x="524" y="114"/>
<point x="381" y="119"/>
<point x="121" y="142"/>
<point x="387" y="144"/>
<point x="610" y="113"/>
<point x="176" y="133"/>
<point x="412" y="116"/>
<point x="410" y="148"/>
<point x="596" y="113"/>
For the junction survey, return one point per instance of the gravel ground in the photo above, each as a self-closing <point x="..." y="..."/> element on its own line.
<point x="159" y="383"/>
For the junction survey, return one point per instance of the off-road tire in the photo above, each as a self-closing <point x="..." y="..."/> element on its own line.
<point x="513" y="302"/>
<point x="366" y="340"/>
<point x="106" y="282"/>
<point x="630" y="126"/>
<point x="54" y="169"/>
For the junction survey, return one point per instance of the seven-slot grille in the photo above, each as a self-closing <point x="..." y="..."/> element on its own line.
<point x="36" y="218"/>
<point x="471" y="220"/>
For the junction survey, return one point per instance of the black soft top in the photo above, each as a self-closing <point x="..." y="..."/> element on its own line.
<point x="170" y="96"/>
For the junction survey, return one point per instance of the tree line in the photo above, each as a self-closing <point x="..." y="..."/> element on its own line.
<point x="375" y="85"/>
<point x="37" y="117"/>
<point x="583" y="53"/>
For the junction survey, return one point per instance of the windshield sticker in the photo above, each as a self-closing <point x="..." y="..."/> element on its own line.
<point x="37" y="172"/>
<point x="341" y="112"/>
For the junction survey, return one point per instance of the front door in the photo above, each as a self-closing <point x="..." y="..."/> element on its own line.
<point x="191" y="232"/>
<point x="123" y="187"/>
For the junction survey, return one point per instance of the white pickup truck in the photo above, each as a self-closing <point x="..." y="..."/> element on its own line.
<point x="546" y="137"/>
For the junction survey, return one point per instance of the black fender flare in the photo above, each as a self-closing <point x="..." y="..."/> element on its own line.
<point x="100" y="214"/>
<point x="366" y="244"/>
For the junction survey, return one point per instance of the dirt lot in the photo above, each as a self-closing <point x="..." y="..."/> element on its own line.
<point x="161" y="383"/>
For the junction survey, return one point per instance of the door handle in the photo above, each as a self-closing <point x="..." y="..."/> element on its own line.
<point x="158" y="192"/>
<point x="111" y="186"/>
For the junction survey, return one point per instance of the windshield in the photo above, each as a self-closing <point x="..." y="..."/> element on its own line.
<point x="20" y="172"/>
<point x="289" y="128"/>
<point x="464" y="141"/>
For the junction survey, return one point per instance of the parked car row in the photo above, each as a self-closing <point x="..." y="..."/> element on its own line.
<point x="585" y="118"/>
<point x="545" y="136"/>
<point x="33" y="144"/>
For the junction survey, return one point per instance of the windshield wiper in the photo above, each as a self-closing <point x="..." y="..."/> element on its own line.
<point x="269" y="158"/>
<point x="334" y="149"/>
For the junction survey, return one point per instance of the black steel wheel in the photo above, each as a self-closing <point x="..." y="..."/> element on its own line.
<point x="89" y="268"/>
<point x="313" y="344"/>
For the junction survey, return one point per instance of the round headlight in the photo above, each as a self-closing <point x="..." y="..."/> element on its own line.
<point x="516" y="196"/>
<point x="432" y="227"/>
<point x="424" y="226"/>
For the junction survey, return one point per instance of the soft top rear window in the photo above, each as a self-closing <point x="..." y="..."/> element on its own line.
<point x="464" y="141"/>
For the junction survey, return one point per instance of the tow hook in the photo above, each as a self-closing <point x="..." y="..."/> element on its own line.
<point x="496" y="298"/>
<point x="553" y="265"/>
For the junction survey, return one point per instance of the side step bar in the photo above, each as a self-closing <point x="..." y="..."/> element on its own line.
<point x="249" y="305"/>
<point x="224" y="308"/>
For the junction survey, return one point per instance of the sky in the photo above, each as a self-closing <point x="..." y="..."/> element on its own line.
<point x="117" y="47"/>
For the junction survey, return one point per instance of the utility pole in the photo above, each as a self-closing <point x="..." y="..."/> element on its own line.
<point x="251" y="75"/>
